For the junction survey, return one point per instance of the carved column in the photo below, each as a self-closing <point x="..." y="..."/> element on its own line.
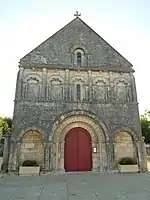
<point x="110" y="155"/>
<point x="66" y="88"/>
<point x="51" y="156"/>
<point x="103" y="156"/>
<point x="47" y="156"/>
<point x="111" y="92"/>
<point x="44" y="85"/>
<point x="90" y="85"/>
<point x="53" y="151"/>
<point x="101" y="152"/>
<point x="61" y="156"/>
<point x="57" y="155"/>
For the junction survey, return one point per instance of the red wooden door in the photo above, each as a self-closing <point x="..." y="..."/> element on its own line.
<point x="78" y="150"/>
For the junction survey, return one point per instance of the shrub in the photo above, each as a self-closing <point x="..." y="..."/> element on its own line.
<point x="30" y="163"/>
<point x="127" y="161"/>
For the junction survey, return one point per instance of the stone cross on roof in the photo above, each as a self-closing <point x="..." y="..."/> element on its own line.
<point x="77" y="14"/>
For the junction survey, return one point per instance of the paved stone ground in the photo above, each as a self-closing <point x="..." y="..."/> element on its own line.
<point x="76" y="186"/>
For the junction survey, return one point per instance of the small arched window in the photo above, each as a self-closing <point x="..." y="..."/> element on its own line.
<point x="79" y="59"/>
<point x="78" y="92"/>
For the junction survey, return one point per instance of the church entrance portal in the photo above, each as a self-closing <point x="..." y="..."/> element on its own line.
<point x="78" y="150"/>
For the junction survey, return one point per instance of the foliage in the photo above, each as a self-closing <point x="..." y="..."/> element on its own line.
<point x="4" y="128"/>
<point x="29" y="163"/>
<point x="127" y="161"/>
<point x="5" y="125"/>
<point x="145" y="125"/>
<point x="9" y="122"/>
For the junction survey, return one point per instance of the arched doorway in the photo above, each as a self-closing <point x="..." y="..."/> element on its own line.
<point x="78" y="150"/>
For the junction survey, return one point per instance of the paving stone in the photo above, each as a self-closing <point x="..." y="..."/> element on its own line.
<point x="76" y="186"/>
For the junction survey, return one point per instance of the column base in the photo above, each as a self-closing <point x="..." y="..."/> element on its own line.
<point x="95" y="170"/>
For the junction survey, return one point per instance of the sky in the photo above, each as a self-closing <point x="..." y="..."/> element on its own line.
<point x="124" y="24"/>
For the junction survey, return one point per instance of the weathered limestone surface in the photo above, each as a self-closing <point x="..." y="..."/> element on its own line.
<point x="96" y="89"/>
<point x="32" y="148"/>
<point x="57" y="51"/>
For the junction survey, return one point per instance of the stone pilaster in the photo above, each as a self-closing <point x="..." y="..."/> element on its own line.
<point x="66" y="93"/>
<point x="52" y="151"/>
<point x="90" y="84"/>
<point x="57" y="155"/>
<point x="17" y="155"/>
<point x="103" y="156"/>
<point x="19" y="87"/>
<point x="44" y="85"/>
<point x="101" y="152"/>
<point x="111" y="85"/>
<point x="133" y="88"/>
<point x="10" y="165"/>
<point x="13" y="156"/>
<point x="111" y="155"/>
<point x="47" y="156"/>
<point x="142" y="155"/>
<point x="61" y="156"/>
<point x="6" y="152"/>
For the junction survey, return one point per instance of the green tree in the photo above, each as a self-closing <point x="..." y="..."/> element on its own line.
<point x="4" y="127"/>
<point x="9" y="122"/>
<point x="145" y="125"/>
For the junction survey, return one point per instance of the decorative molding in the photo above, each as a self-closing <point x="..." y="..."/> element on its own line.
<point x="33" y="79"/>
<point x="121" y="80"/>
<point x="133" y="134"/>
<point x="56" y="78"/>
<point x="78" y="46"/>
<point x="78" y="78"/>
<point x="100" y="79"/>
<point x="32" y="76"/>
<point x="28" y="129"/>
<point x="85" y="114"/>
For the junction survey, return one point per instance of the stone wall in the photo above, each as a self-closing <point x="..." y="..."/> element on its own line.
<point x="110" y="96"/>
<point x="58" y="50"/>
<point x="40" y="104"/>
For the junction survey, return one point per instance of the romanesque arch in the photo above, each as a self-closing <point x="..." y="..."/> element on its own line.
<point x="98" y="136"/>
<point x="30" y="128"/>
<point x="78" y="46"/>
<point x="125" y="145"/>
<point x="32" y="147"/>
<point x="87" y="114"/>
<point x="122" y="89"/>
<point x="76" y="82"/>
<point x="55" y="88"/>
<point x="31" y="86"/>
<point x="100" y="88"/>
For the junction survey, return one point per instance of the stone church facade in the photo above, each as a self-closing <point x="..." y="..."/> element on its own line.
<point x="76" y="105"/>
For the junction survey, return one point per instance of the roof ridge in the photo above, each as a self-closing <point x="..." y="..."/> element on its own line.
<point x="86" y="26"/>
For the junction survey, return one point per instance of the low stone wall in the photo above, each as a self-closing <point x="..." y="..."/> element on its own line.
<point x="29" y="171"/>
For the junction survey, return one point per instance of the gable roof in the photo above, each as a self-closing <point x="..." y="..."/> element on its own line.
<point x="56" y="50"/>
